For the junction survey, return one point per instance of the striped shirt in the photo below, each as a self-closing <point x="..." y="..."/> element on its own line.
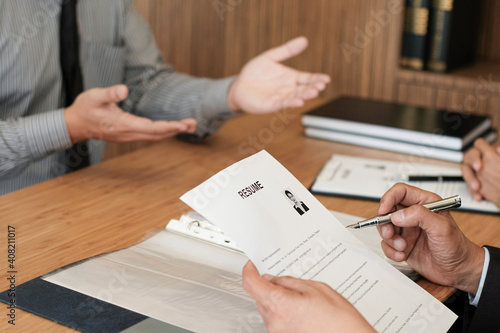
<point x="117" y="46"/>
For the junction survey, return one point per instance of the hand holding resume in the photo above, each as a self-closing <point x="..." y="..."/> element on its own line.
<point x="284" y="230"/>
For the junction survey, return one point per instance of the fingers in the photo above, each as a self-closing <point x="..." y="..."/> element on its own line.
<point x="190" y="124"/>
<point x="255" y="285"/>
<point x="296" y="97"/>
<point x="317" y="80"/>
<point x="293" y="283"/>
<point x="414" y="216"/>
<point x="405" y="195"/>
<point x="475" y="166"/>
<point x="470" y="177"/>
<point x="473" y="183"/>
<point x="387" y="230"/>
<point x="116" y="125"/>
<point x="413" y="220"/>
<point x="483" y="146"/>
<point x="310" y="85"/>
<point x="112" y="94"/>
<point x="287" y="50"/>
<point x="133" y="128"/>
<point x="472" y="158"/>
<point x="392" y="253"/>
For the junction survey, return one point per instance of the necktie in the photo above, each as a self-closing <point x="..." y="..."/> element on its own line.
<point x="77" y="157"/>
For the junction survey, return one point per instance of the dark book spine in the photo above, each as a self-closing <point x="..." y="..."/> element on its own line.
<point x="415" y="34"/>
<point x="439" y="34"/>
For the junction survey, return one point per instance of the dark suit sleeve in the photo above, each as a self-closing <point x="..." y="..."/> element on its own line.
<point x="486" y="317"/>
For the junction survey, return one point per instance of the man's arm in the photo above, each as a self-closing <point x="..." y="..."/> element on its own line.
<point x="264" y="85"/>
<point x="29" y="139"/>
<point x="158" y="92"/>
<point x="93" y="115"/>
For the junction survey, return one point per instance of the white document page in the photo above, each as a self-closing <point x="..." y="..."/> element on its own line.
<point x="186" y="282"/>
<point x="371" y="178"/>
<point x="284" y="230"/>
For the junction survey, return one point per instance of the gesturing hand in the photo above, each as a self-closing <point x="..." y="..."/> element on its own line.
<point x="94" y="115"/>
<point x="481" y="170"/>
<point x="293" y="305"/>
<point x="430" y="242"/>
<point x="265" y="85"/>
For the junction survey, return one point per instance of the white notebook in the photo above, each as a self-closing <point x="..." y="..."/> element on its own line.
<point x="365" y="178"/>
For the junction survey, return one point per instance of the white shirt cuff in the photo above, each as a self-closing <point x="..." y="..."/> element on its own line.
<point x="474" y="299"/>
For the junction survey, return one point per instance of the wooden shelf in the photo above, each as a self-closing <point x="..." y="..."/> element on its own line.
<point x="484" y="74"/>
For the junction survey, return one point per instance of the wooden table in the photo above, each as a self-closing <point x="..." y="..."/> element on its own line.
<point x="114" y="204"/>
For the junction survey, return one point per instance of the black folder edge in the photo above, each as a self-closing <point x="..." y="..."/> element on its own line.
<point x="71" y="308"/>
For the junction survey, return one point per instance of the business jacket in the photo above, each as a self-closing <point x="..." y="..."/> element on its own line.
<point x="485" y="317"/>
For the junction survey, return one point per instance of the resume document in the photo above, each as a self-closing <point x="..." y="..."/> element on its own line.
<point x="285" y="230"/>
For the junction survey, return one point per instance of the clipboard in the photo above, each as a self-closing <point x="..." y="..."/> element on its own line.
<point x="368" y="179"/>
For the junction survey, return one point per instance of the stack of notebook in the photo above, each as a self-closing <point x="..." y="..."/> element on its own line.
<point x="428" y="132"/>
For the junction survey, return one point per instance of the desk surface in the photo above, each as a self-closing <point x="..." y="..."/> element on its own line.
<point x="112" y="205"/>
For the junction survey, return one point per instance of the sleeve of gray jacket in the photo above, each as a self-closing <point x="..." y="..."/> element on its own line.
<point x="28" y="139"/>
<point x="158" y="92"/>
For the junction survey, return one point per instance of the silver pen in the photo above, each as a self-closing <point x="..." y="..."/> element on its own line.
<point x="448" y="203"/>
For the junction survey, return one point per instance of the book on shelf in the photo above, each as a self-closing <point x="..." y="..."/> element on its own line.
<point x="420" y="126"/>
<point x="415" y="34"/>
<point x="453" y="33"/>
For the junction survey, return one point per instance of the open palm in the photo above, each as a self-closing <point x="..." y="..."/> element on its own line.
<point x="265" y="85"/>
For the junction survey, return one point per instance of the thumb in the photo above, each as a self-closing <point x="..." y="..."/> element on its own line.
<point x="111" y="94"/>
<point x="258" y="287"/>
<point x="287" y="50"/>
<point x="417" y="216"/>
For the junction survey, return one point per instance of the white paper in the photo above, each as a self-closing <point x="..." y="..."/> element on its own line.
<point x="179" y="280"/>
<point x="371" y="178"/>
<point x="248" y="202"/>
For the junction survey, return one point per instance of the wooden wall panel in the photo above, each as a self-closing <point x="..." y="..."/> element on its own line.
<point x="202" y="40"/>
<point x="489" y="43"/>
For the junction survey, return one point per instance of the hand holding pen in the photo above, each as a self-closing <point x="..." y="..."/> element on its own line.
<point x="444" y="204"/>
<point x="430" y="243"/>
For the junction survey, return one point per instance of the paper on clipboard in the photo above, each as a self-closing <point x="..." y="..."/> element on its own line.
<point x="366" y="178"/>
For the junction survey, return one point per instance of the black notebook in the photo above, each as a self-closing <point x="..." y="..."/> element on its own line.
<point x="421" y="126"/>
